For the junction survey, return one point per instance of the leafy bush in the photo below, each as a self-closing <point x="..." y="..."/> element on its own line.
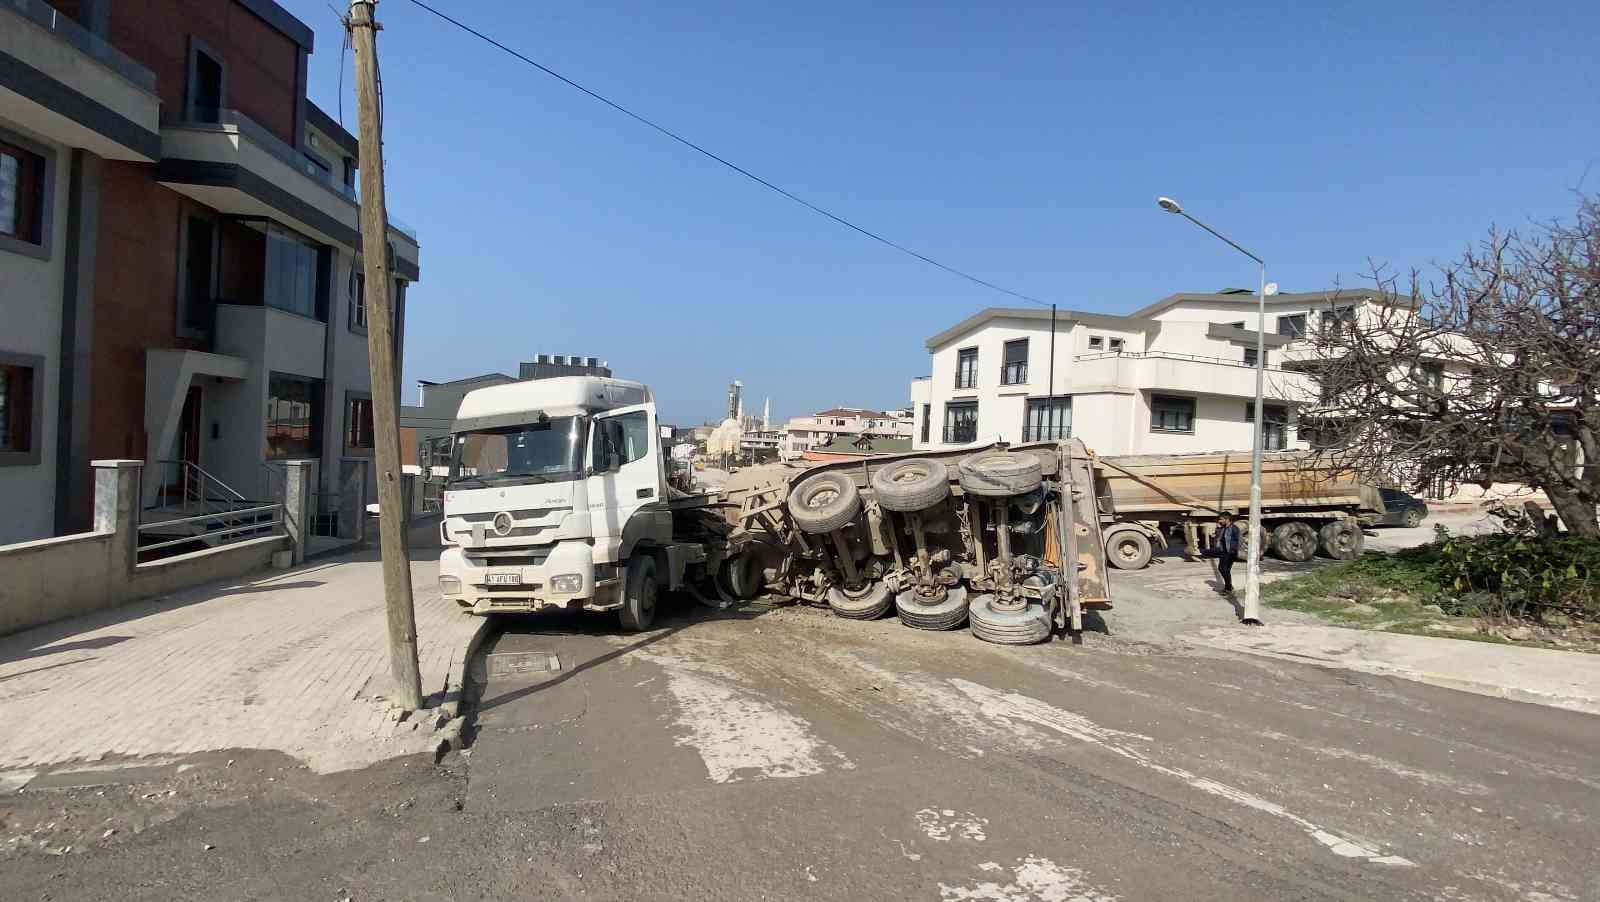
<point x="1525" y="575"/>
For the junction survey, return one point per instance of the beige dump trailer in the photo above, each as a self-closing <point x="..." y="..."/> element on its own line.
<point x="1307" y="503"/>
<point x="979" y="537"/>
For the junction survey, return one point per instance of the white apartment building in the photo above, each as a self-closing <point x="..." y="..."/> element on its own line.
<point x="801" y="434"/>
<point x="1175" y="376"/>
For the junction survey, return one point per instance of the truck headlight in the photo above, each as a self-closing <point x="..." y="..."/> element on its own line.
<point x="567" y="583"/>
<point x="449" y="585"/>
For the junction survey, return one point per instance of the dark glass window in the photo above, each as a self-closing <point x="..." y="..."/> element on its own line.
<point x="294" y="417"/>
<point x="16" y="408"/>
<point x="1014" y="366"/>
<point x="291" y="276"/>
<point x="1047" y="419"/>
<point x="1169" y="414"/>
<point x="21" y="194"/>
<point x="358" y="424"/>
<point x="358" y="297"/>
<point x="967" y="368"/>
<point x="1275" y="428"/>
<point x="961" y="422"/>
<point x="1293" y="325"/>
<point x="927" y="417"/>
<point x="1250" y="357"/>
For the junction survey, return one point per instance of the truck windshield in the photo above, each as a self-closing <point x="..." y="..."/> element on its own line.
<point x="551" y="451"/>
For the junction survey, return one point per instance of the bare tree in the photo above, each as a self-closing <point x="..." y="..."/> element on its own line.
<point x="1490" y="374"/>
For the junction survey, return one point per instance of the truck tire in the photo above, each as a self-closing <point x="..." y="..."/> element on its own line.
<point x="824" y="502"/>
<point x="1025" y="627"/>
<point x="911" y="485"/>
<point x="1128" y="549"/>
<point x="948" y="614"/>
<point x="1295" y="542"/>
<point x="741" y="576"/>
<point x="639" y="595"/>
<point x="1342" y="540"/>
<point x="868" y="603"/>
<point x="999" y="474"/>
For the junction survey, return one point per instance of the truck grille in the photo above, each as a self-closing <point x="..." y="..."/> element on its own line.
<point x="508" y="558"/>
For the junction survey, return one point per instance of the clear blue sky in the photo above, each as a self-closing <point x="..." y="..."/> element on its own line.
<point x="1026" y="145"/>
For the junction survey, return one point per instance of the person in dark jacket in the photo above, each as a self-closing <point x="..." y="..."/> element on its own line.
<point x="1225" y="548"/>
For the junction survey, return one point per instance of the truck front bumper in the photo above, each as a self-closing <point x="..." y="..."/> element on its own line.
<point x="555" y="576"/>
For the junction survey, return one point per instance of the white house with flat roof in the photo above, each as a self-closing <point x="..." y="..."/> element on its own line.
<point x="1176" y="376"/>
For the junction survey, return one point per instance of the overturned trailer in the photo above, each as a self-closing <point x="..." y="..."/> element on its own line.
<point x="1006" y="539"/>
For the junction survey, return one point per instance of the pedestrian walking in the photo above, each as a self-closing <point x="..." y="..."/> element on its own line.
<point x="1225" y="548"/>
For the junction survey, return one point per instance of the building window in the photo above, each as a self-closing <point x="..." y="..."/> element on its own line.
<point x="1293" y="325"/>
<point x="1097" y="342"/>
<point x="1238" y="325"/>
<point x="291" y="276"/>
<point x="198" y="281"/>
<point x="1170" y="414"/>
<point x="967" y="368"/>
<point x="927" y="417"/>
<point x="961" y="422"/>
<point x="1432" y="375"/>
<point x="358" y="425"/>
<point x="21" y="404"/>
<point x="1115" y="345"/>
<point x="203" y="99"/>
<point x="358" y="298"/>
<point x="22" y="194"/>
<point x="1275" y="429"/>
<point x="1250" y="357"/>
<point x="1047" y="419"/>
<point x="294" y="417"/>
<point x="1335" y="321"/>
<point x="1014" y="366"/>
<point x="1322" y="435"/>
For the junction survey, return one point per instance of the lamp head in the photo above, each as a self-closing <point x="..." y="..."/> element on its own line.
<point x="1170" y="205"/>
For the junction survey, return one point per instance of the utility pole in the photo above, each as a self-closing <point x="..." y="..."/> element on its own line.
<point x="380" y="361"/>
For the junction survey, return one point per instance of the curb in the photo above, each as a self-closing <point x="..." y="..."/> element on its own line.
<point x="449" y="735"/>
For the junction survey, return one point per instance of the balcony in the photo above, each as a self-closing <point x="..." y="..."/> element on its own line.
<point x="228" y="162"/>
<point x="1185" y="374"/>
<point x="71" y="86"/>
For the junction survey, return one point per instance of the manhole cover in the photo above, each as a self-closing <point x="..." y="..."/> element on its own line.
<point x="514" y="662"/>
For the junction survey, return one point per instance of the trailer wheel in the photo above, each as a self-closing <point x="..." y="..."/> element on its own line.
<point x="1128" y="549"/>
<point x="1025" y="627"/>
<point x="741" y="576"/>
<point x="1294" y="542"/>
<point x="999" y="474"/>
<point x="824" y="502"/>
<point x="868" y="603"/>
<point x="638" y="609"/>
<point x="947" y="614"/>
<point x="1342" y="540"/>
<point x="911" y="485"/>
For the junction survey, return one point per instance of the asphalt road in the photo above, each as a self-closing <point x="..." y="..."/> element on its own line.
<point x="789" y="754"/>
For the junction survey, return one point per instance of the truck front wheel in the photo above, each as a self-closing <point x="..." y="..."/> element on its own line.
<point x="639" y="595"/>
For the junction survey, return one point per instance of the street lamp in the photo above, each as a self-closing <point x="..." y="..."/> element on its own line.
<point x="1252" y="582"/>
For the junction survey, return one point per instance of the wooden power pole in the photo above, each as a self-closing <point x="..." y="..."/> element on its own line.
<point x="380" y="360"/>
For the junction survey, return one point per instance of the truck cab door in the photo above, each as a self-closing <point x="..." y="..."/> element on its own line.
<point x="624" y="485"/>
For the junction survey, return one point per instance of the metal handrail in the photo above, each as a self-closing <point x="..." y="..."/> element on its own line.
<point x="1171" y="355"/>
<point x="234" y="514"/>
<point x="218" y="533"/>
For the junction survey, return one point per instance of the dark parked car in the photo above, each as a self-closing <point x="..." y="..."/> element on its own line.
<point x="1403" y="509"/>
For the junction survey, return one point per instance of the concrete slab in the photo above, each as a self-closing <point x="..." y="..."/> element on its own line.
<point x="1560" y="679"/>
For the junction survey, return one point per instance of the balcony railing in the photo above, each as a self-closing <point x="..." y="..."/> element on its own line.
<point x="209" y="118"/>
<point x="67" y="29"/>
<point x="1170" y="355"/>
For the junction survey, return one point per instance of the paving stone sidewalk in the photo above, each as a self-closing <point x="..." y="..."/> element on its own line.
<point x="290" y="660"/>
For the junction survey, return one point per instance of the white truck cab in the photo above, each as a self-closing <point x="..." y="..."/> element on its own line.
<point x="557" y="497"/>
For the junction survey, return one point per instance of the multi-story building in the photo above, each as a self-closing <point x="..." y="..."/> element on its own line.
<point x="801" y="434"/>
<point x="180" y="250"/>
<point x="1175" y="376"/>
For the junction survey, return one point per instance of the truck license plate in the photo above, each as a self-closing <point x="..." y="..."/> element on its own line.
<point x="505" y="579"/>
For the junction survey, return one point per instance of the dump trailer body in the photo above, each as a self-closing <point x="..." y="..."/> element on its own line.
<point x="1182" y="485"/>
<point x="1308" y="504"/>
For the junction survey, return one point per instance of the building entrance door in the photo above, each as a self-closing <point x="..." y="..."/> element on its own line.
<point x="186" y="450"/>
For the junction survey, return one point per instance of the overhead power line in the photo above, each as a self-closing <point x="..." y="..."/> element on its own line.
<point x="730" y="164"/>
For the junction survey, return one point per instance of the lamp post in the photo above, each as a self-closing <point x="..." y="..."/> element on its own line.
<point x="1252" y="582"/>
